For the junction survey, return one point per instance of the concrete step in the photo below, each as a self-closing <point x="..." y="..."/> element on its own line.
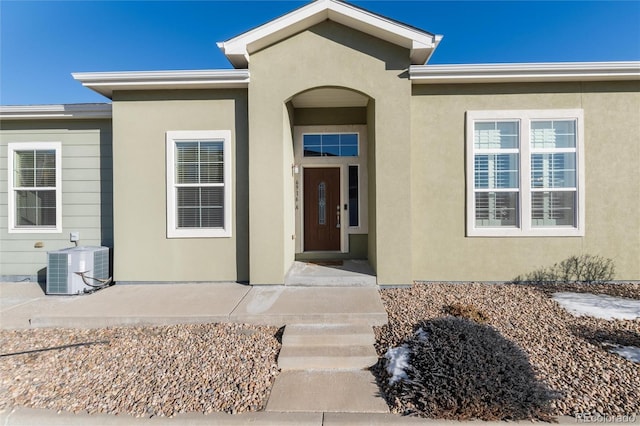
<point x="327" y="357"/>
<point x="326" y="391"/>
<point x="328" y="335"/>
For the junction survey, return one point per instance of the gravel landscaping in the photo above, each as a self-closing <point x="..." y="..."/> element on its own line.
<point x="568" y="355"/>
<point x="140" y="371"/>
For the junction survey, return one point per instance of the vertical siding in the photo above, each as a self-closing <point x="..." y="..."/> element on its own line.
<point x="86" y="192"/>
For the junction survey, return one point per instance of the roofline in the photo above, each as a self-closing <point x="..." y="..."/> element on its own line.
<point x="56" y="112"/>
<point x="523" y="72"/>
<point x="106" y="83"/>
<point x="420" y="43"/>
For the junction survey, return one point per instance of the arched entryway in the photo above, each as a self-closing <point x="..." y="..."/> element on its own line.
<point x="331" y="140"/>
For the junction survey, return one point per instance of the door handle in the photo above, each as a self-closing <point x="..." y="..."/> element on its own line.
<point x="338" y="216"/>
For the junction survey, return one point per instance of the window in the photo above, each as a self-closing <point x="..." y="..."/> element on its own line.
<point x="330" y="145"/>
<point x="525" y="173"/>
<point x="198" y="184"/>
<point x="35" y="198"/>
<point x="354" y="215"/>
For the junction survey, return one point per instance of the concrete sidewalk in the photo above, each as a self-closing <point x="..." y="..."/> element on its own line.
<point x="30" y="416"/>
<point x="24" y="305"/>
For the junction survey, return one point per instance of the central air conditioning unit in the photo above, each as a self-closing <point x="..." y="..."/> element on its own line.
<point x="77" y="270"/>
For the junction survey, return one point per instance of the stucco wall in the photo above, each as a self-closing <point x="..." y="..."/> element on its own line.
<point x="86" y="192"/>
<point x="441" y="251"/>
<point x="329" y="54"/>
<point x="142" y="250"/>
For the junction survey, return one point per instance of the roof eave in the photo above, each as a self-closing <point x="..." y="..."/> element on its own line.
<point x="533" y="72"/>
<point x="105" y="83"/>
<point x="56" y="112"/>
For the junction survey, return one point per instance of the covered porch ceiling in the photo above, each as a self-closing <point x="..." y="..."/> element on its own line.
<point x="329" y="97"/>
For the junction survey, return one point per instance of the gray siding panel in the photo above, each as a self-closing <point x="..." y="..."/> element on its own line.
<point x="87" y="189"/>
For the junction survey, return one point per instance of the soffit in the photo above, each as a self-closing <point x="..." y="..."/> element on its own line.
<point x="55" y="112"/>
<point x="526" y="72"/>
<point x="106" y="83"/>
<point x="421" y="44"/>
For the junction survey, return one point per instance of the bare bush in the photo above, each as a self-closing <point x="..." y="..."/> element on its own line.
<point x="466" y="311"/>
<point x="585" y="268"/>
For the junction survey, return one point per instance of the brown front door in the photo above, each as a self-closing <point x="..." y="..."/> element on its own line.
<point x="321" y="209"/>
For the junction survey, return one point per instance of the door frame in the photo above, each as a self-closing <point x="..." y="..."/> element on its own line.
<point x="343" y="163"/>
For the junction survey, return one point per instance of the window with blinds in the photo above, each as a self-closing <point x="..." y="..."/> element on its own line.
<point x="34" y="180"/>
<point x="553" y="173"/>
<point x="496" y="173"/>
<point x="198" y="184"/>
<point x="524" y="175"/>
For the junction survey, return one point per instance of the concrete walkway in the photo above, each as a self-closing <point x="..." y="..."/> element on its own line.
<point x="24" y="305"/>
<point x="30" y="416"/>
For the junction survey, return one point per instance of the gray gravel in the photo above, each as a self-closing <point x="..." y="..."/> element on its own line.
<point x="566" y="352"/>
<point x="140" y="371"/>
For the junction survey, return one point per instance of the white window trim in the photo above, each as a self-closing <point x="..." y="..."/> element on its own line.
<point x="188" y="135"/>
<point x="21" y="146"/>
<point x="303" y="162"/>
<point x="524" y="117"/>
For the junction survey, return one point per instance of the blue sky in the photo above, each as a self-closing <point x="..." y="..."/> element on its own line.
<point x="42" y="42"/>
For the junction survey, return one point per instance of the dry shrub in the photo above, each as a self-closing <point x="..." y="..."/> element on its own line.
<point x="585" y="268"/>
<point x="466" y="311"/>
<point x="464" y="370"/>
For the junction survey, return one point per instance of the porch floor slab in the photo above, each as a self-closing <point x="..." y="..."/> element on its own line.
<point x="280" y="305"/>
<point x="24" y="305"/>
<point x="326" y="274"/>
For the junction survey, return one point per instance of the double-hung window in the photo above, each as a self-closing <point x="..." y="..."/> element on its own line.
<point x="525" y="173"/>
<point x="35" y="193"/>
<point x="198" y="184"/>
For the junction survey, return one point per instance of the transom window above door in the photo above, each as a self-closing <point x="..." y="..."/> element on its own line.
<point x="330" y="144"/>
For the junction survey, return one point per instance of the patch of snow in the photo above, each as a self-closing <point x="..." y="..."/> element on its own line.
<point x="632" y="353"/>
<point x="421" y="334"/>
<point x="397" y="362"/>
<point x="599" y="305"/>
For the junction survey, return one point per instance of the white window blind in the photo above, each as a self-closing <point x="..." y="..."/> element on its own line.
<point x="553" y="173"/>
<point x="496" y="173"/>
<point x="200" y="184"/>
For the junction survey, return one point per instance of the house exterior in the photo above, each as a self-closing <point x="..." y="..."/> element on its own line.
<point x="331" y="138"/>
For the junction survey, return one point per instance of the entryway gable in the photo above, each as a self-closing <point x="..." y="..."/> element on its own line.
<point x="329" y="75"/>
<point x="421" y="44"/>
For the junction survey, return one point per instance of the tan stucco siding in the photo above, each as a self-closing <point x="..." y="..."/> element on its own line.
<point x="142" y="250"/>
<point x="329" y="54"/>
<point x="86" y="192"/>
<point x="441" y="250"/>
